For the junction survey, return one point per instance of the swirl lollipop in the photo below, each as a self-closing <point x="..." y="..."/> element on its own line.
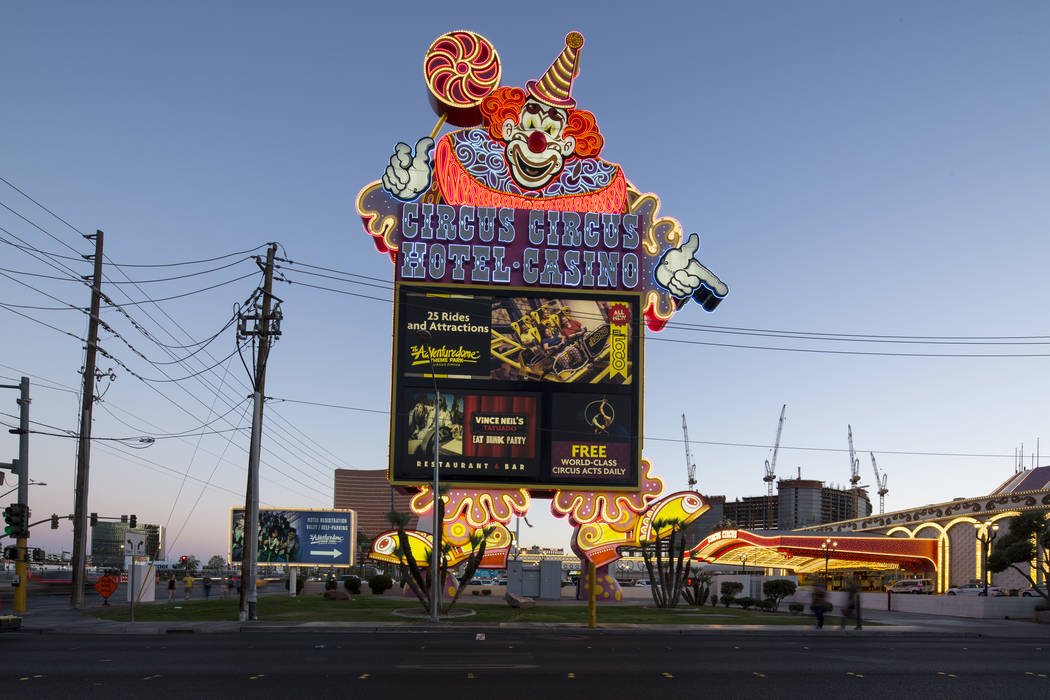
<point x="461" y="68"/>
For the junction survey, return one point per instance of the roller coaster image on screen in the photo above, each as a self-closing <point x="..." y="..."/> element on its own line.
<point x="556" y="340"/>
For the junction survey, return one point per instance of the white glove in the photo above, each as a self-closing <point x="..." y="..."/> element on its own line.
<point x="682" y="274"/>
<point x="407" y="177"/>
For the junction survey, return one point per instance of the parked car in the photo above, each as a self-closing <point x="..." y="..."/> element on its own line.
<point x="974" y="589"/>
<point x="1032" y="592"/>
<point x="912" y="585"/>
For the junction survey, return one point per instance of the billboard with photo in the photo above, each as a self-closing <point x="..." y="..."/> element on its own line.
<point x="298" y="537"/>
<point x="534" y="388"/>
<point x="566" y="338"/>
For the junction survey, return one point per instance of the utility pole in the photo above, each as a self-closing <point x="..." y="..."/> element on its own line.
<point x="80" y="496"/>
<point x="20" y="467"/>
<point x="267" y="324"/>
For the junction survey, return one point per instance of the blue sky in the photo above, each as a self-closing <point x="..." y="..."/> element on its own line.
<point x="864" y="168"/>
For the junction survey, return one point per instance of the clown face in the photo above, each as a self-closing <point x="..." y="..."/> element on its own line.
<point x="536" y="149"/>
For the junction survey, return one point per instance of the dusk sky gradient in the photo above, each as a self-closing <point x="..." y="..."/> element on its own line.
<point x="860" y="168"/>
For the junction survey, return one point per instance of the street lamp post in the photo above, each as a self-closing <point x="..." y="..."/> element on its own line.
<point x="435" y="554"/>
<point x="828" y="545"/>
<point x="990" y="531"/>
<point x="743" y="564"/>
<point x="31" y="483"/>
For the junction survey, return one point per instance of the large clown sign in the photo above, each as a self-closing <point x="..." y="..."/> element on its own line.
<point x="526" y="269"/>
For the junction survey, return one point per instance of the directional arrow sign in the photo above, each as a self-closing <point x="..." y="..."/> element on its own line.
<point x="298" y="537"/>
<point x="325" y="553"/>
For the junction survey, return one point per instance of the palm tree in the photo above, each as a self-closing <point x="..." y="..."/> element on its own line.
<point x="667" y="578"/>
<point x="415" y="579"/>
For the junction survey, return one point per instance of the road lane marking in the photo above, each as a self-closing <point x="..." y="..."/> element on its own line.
<point x="667" y="675"/>
<point x="464" y="667"/>
<point x="756" y="673"/>
<point x="362" y="676"/>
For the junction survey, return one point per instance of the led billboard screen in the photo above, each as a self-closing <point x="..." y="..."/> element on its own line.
<point x="298" y="537"/>
<point x="535" y="387"/>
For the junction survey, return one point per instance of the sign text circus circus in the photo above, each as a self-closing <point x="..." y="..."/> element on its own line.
<point x="517" y="247"/>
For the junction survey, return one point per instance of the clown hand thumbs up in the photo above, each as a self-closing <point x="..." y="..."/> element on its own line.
<point x="682" y="274"/>
<point x="408" y="176"/>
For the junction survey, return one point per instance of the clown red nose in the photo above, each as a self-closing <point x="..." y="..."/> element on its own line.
<point x="537" y="142"/>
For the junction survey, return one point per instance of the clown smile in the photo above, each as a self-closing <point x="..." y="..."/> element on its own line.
<point x="529" y="172"/>
<point x="534" y="171"/>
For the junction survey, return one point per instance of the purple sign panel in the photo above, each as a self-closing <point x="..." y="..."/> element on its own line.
<point x="520" y="247"/>
<point x="593" y="440"/>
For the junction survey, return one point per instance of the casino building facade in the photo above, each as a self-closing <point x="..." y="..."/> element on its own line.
<point x="943" y="541"/>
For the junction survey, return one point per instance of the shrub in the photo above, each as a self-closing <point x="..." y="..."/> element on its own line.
<point x="731" y="588"/>
<point x="796" y="608"/>
<point x="714" y="599"/>
<point x="778" y="589"/>
<point x="380" y="583"/>
<point x="728" y="600"/>
<point x="768" y="604"/>
<point x="300" y="581"/>
<point x="329" y="585"/>
<point x="352" y="584"/>
<point x="746" y="602"/>
<point x="486" y="591"/>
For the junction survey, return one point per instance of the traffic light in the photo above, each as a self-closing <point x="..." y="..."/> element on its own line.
<point x="133" y="521"/>
<point x="94" y="519"/>
<point x="183" y="559"/>
<point x="38" y="555"/>
<point x="11" y="553"/>
<point x="16" y="517"/>
<point x="54" y="521"/>
<point x="123" y="518"/>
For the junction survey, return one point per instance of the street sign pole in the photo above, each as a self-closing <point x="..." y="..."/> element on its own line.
<point x="131" y="582"/>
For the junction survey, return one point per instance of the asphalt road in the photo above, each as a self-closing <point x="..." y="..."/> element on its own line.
<point x="516" y="664"/>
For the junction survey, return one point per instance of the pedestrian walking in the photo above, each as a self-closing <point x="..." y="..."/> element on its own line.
<point x="852" y="607"/>
<point x="187" y="582"/>
<point x="819" y="604"/>
<point x="171" y="588"/>
<point x="207" y="587"/>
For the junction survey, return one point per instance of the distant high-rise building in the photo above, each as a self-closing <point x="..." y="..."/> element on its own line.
<point x="107" y="543"/>
<point x="368" y="492"/>
<point x="798" y="503"/>
<point x="807" y="502"/>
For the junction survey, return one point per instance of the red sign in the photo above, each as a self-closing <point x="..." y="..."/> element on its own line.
<point x="105" y="586"/>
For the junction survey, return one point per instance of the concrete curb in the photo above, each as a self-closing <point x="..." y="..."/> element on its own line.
<point x="106" y="627"/>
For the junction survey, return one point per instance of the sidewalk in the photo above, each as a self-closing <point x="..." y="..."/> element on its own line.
<point x="68" y="621"/>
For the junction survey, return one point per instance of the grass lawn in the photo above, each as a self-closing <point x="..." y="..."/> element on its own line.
<point x="373" y="608"/>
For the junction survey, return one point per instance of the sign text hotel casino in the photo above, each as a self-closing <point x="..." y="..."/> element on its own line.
<point x="518" y="247"/>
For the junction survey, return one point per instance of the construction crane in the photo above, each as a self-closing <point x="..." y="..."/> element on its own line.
<point x="771" y="465"/>
<point x="690" y="465"/>
<point x="880" y="484"/>
<point x="854" y="473"/>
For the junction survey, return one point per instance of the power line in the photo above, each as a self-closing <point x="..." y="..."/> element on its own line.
<point x="328" y="405"/>
<point x="846" y="352"/>
<point x="181" y="277"/>
<point x="815" y="335"/>
<point x="191" y="262"/>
